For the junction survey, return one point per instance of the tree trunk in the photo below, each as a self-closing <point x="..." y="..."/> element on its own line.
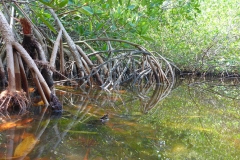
<point x="16" y="62"/>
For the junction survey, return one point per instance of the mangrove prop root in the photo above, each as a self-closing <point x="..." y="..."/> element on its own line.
<point x="123" y="63"/>
<point x="14" y="101"/>
<point x="55" y="103"/>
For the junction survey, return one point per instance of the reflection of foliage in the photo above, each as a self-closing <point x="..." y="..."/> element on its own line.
<point x="225" y="88"/>
<point x="147" y="95"/>
<point x="83" y="106"/>
<point x="19" y="138"/>
<point x="190" y="123"/>
<point x="199" y="123"/>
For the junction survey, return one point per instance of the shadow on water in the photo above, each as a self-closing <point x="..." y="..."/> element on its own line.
<point x="195" y="119"/>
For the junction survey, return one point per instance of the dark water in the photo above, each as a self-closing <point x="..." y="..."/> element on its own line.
<point x="195" y="119"/>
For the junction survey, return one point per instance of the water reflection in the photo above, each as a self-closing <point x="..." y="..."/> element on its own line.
<point x="197" y="120"/>
<point x="20" y="135"/>
<point x="200" y="120"/>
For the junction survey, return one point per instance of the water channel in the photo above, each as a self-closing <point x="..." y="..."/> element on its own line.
<point x="194" y="119"/>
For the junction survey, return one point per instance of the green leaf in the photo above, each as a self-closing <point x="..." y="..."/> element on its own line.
<point x="90" y="26"/>
<point x="110" y="3"/>
<point x="47" y="4"/>
<point x="120" y="2"/>
<point x="98" y="26"/>
<point x="99" y="12"/>
<point x="79" y="29"/>
<point x="131" y="7"/>
<point x="145" y="28"/>
<point x="147" y="38"/>
<point x="86" y="10"/>
<point x="77" y="17"/>
<point x="63" y="3"/>
<point x="46" y="22"/>
<point x="47" y="15"/>
<point x="52" y="2"/>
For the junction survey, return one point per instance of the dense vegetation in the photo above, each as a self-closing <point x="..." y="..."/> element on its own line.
<point x="198" y="120"/>
<point x="198" y="35"/>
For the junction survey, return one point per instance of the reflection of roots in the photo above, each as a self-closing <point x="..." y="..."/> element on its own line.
<point x="13" y="101"/>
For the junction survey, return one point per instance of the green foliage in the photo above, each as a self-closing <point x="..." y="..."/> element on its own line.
<point x="120" y="19"/>
<point x="195" y="35"/>
<point x="207" y="43"/>
<point x="43" y="18"/>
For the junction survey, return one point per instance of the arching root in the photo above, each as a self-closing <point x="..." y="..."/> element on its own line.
<point x="13" y="101"/>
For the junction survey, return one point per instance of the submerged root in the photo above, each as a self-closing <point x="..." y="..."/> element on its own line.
<point x="13" y="102"/>
<point x="55" y="104"/>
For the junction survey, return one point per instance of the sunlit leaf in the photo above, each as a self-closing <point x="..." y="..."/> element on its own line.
<point x="25" y="146"/>
<point x="179" y="148"/>
<point x="24" y="121"/>
<point x="40" y="103"/>
<point x="31" y="89"/>
<point x="26" y="134"/>
<point x="6" y="126"/>
<point x="148" y="38"/>
<point x="46" y="3"/>
<point x="47" y="15"/>
<point x="202" y="129"/>
<point x="63" y="3"/>
<point x="90" y="26"/>
<point x="86" y="10"/>
<point x="110" y="3"/>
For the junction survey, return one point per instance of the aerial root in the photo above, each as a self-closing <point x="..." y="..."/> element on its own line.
<point x="13" y="101"/>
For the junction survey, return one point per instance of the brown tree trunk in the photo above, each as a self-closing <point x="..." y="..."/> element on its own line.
<point x="8" y="39"/>
<point x="12" y="62"/>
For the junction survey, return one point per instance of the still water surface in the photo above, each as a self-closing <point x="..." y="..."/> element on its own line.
<point x="195" y="119"/>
